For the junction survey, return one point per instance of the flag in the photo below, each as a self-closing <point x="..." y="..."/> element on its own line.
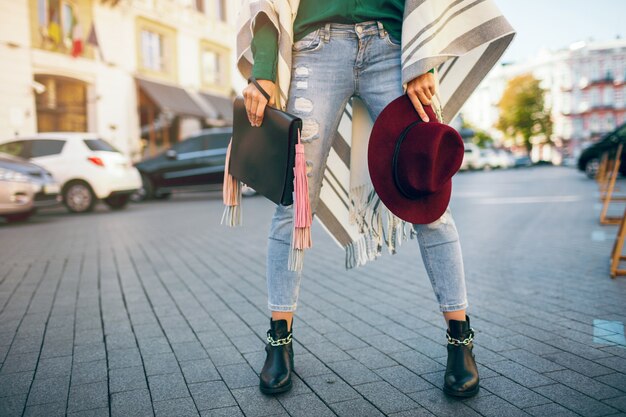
<point x="92" y="39"/>
<point x="77" y="40"/>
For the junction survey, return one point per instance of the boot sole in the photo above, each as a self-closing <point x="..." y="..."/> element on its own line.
<point x="274" y="391"/>
<point x="462" y="394"/>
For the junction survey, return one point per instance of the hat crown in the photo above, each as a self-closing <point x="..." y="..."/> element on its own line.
<point x="421" y="168"/>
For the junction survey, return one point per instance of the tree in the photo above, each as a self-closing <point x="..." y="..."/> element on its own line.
<point x="523" y="113"/>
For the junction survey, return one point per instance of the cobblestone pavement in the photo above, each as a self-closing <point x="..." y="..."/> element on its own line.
<point x="158" y="310"/>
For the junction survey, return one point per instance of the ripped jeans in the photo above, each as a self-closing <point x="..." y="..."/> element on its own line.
<point x="330" y="65"/>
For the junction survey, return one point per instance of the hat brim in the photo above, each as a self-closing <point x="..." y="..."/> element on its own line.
<point x="423" y="210"/>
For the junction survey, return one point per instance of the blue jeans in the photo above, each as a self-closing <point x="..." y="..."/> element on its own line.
<point x="330" y="65"/>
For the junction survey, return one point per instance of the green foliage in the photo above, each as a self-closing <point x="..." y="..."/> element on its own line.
<point x="481" y="138"/>
<point x="523" y="113"/>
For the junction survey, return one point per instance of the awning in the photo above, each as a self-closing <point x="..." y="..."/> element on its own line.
<point x="222" y="106"/>
<point x="172" y="98"/>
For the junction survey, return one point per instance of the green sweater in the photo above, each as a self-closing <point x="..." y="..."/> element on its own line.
<point x="314" y="14"/>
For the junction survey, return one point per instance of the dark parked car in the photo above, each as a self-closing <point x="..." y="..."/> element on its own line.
<point x="196" y="163"/>
<point x="589" y="160"/>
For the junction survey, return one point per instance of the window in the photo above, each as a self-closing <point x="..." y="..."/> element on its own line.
<point x="211" y="67"/>
<point x="20" y="148"/>
<point x="193" y="144"/>
<point x="41" y="148"/>
<point x="217" y="141"/>
<point x="68" y="22"/>
<point x="152" y="51"/>
<point x="220" y="10"/>
<point x="595" y="97"/>
<point x="99" y="145"/>
<point x="609" y="122"/>
<point x="608" y="96"/>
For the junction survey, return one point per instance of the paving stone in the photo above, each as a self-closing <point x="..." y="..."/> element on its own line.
<point x="591" y="387"/>
<point x="327" y="352"/>
<point x="131" y="404"/>
<point x="162" y="363"/>
<point x="359" y="407"/>
<point x="520" y="374"/>
<point x="331" y="388"/>
<point x="574" y="400"/>
<point x="154" y="345"/>
<point x="403" y="379"/>
<point x="435" y="401"/>
<point x="12" y="406"/>
<point x="124" y="358"/>
<point x="214" y="394"/>
<point x="385" y="397"/>
<point x="308" y="365"/>
<point x="617" y="402"/>
<point x="531" y="361"/>
<point x="514" y="393"/>
<point x="127" y="379"/>
<point x="225" y="355"/>
<point x="305" y="405"/>
<point x="616" y="380"/>
<point x="238" y="375"/>
<point x="372" y="358"/>
<point x="98" y="412"/>
<point x="15" y="384"/>
<point x="578" y="364"/>
<point x="189" y="351"/>
<point x="614" y="362"/>
<point x="255" y="404"/>
<point x="494" y="406"/>
<point x="56" y="409"/>
<point x="87" y="372"/>
<point x="22" y="362"/>
<point x="180" y="407"/>
<point x="223" y="412"/>
<point x="552" y="410"/>
<point x="167" y="387"/>
<point x="88" y="396"/>
<point x="90" y="352"/>
<point x="353" y="372"/>
<point x="199" y="371"/>
<point x="48" y="390"/>
<point x="247" y="344"/>
<point x="417" y="362"/>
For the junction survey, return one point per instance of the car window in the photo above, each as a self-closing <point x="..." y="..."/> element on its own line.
<point x="19" y="148"/>
<point x="189" y="145"/>
<point x="46" y="147"/>
<point x="217" y="141"/>
<point x="100" y="145"/>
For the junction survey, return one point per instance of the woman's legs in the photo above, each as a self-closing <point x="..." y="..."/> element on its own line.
<point x="322" y="83"/>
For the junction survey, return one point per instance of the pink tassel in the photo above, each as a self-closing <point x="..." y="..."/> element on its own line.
<point x="302" y="211"/>
<point x="231" y="194"/>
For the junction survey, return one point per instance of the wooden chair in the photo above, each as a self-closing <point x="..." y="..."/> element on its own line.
<point x="608" y="197"/>
<point x="618" y="247"/>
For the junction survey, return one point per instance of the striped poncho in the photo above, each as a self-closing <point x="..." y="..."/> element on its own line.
<point x="461" y="39"/>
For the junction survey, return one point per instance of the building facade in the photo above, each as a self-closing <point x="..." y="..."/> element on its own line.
<point x="585" y="90"/>
<point x="141" y="73"/>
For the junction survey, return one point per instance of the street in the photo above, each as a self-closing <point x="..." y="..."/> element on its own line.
<point x="160" y="310"/>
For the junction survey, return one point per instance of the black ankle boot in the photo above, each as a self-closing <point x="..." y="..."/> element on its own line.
<point x="276" y="374"/>
<point x="461" y="378"/>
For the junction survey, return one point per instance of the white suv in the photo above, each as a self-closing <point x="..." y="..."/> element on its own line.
<point x="87" y="167"/>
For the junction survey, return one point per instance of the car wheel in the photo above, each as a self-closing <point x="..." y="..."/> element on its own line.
<point x="591" y="169"/>
<point x="162" y="196"/>
<point x="78" y="197"/>
<point x="18" y="217"/>
<point x="117" y="202"/>
<point x="145" y="192"/>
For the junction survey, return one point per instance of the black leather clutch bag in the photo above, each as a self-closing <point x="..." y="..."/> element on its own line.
<point x="263" y="157"/>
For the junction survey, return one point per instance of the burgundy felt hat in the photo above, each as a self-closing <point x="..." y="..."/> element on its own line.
<point x="411" y="162"/>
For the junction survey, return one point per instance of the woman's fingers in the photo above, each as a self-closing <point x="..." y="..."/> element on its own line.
<point x="255" y="104"/>
<point x="418" y="105"/>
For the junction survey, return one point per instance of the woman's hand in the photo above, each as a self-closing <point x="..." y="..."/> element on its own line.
<point x="256" y="102"/>
<point x="421" y="91"/>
